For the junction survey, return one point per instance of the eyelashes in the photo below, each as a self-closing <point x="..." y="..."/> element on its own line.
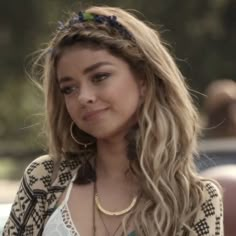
<point x="68" y="90"/>
<point x="96" y="79"/>
<point x="100" y="76"/>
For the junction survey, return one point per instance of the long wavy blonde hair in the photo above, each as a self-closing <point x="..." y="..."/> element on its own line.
<point x="168" y="124"/>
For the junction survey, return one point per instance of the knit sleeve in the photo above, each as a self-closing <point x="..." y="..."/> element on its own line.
<point x="29" y="203"/>
<point x="209" y="220"/>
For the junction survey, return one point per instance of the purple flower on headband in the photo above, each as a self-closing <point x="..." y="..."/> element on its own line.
<point x="80" y="16"/>
<point x="113" y="21"/>
<point x="99" y="19"/>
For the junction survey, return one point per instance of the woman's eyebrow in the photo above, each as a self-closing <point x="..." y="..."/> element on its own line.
<point x="87" y="70"/>
<point x="64" y="79"/>
<point x="95" y="66"/>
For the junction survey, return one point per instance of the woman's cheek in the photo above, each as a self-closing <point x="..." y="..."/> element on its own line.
<point x="71" y="109"/>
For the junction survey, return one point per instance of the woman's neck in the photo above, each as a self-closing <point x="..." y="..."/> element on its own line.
<point x="112" y="159"/>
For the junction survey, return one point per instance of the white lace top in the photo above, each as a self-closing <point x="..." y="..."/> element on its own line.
<point x="60" y="222"/>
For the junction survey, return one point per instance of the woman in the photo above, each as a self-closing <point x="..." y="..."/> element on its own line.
<point x="122" y="133"/>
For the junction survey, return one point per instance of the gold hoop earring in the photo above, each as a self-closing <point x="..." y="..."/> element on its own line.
<point x="73" y="137"/>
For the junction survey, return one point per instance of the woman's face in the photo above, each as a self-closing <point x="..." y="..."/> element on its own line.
<point x="101" y="92"/>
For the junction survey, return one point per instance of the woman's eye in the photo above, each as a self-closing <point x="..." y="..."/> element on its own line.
<point x="99" y="77"/>
<point x="68" y="90"/>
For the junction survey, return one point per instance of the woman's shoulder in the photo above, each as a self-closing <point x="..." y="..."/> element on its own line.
<point x="39" y="173"/>
<point x="209" y="219"/>
<point x="40" y="165"/>
<point x="212" y="195"/>
<point x="211" y="190"/>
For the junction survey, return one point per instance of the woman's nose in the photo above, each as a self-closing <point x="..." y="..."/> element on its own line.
<point x="86" y="96"/>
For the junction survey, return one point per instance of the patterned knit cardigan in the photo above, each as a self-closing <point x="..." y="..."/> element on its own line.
<point x="38" y="195"/>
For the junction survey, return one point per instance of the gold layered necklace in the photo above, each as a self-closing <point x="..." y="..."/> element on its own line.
<point x="100" y="209"/>
<point x="114" y="213"/>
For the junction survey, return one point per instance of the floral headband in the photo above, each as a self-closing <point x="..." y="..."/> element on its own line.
<point x="100" y="19"/>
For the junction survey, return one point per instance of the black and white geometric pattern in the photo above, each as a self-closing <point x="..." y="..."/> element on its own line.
<point x="201" y="227"/>
<point x="48" y="165"/>
<point x="209" y="221"/>
<point x="64" y="178"/>
<point x="218" y="225"/>
<point x="46" y="180"/>
<point x="37" y="196"/>
<point x="31" y="167"/>
<point x="212" y="191"/>
<point x="32" y="180"/>
<point x="208" y="208"/>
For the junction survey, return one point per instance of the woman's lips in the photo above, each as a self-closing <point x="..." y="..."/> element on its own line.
<point x="93" y="114"/>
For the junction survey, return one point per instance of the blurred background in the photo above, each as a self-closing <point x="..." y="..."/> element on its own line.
<point x="201" y="34"/>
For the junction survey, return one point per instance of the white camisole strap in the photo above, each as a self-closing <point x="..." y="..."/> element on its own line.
<point x="68" y="192"/>
<point x="60" y="222"/>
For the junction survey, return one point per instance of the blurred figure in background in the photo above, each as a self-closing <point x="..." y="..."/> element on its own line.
<point x="220" y="108"/>
<point x="219" y="144"/>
